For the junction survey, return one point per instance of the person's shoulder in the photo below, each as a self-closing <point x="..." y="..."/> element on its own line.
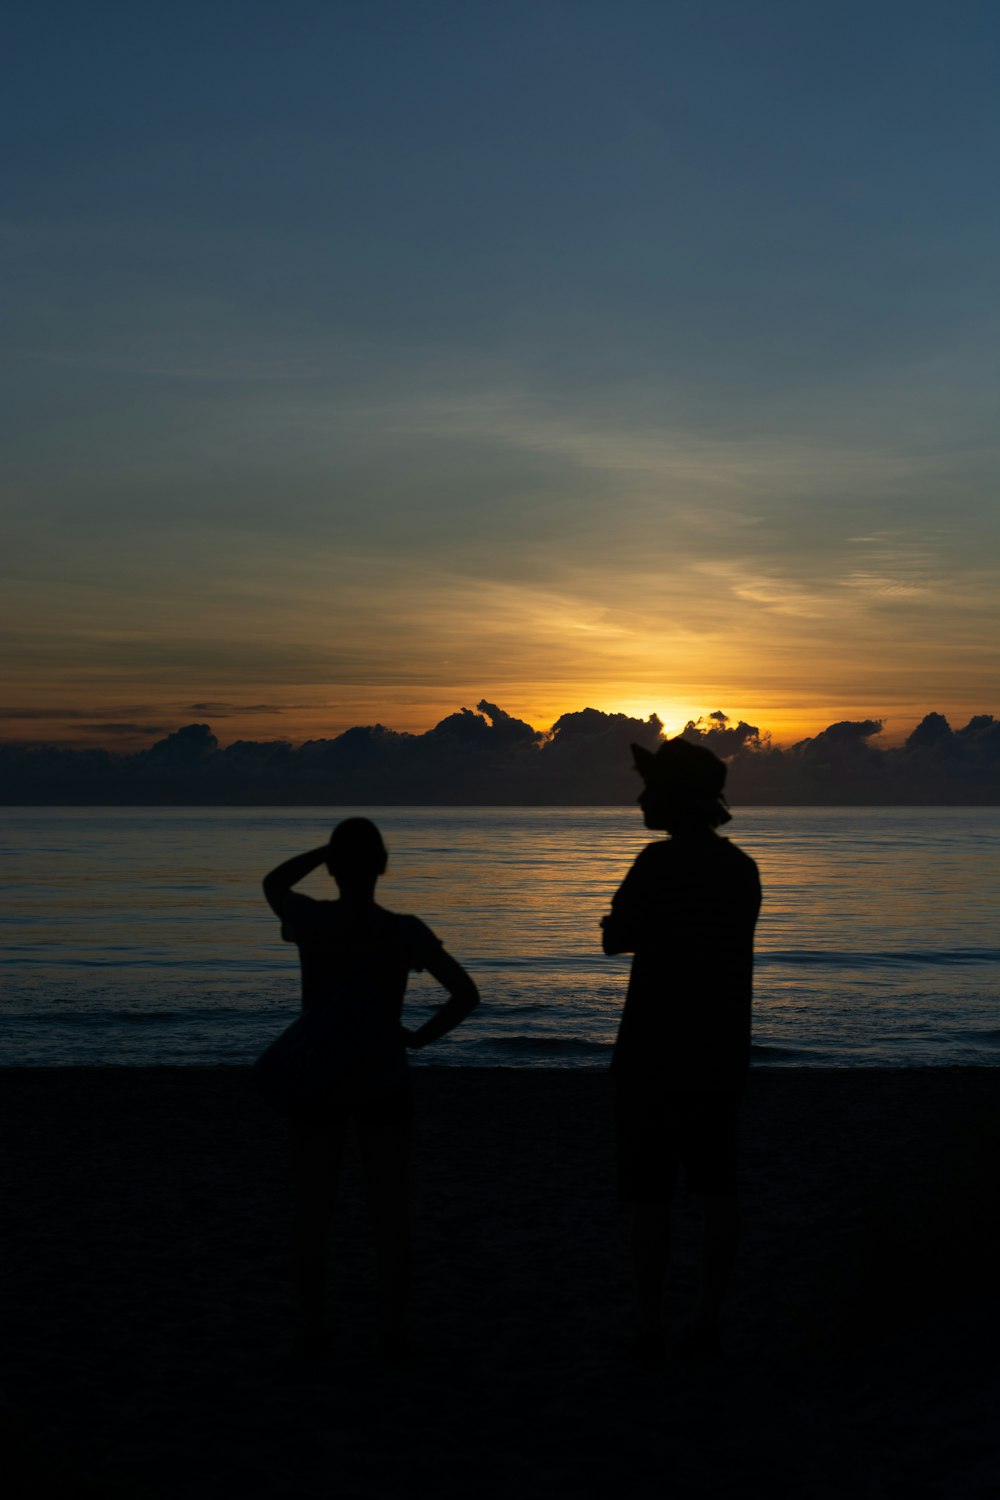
<point x="740" y="862"/>
<point x="748" y="863"/>
<point x="652" y="862"/>
<point x="735" y="853"/>
<point x="412" y="926"/>
<point x="414" y="936"/>
<point x="656" y="853"/>
<point x="304" y="916"/>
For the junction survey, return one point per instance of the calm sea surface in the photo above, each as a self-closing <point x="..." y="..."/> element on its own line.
<point x="139" y="935"/>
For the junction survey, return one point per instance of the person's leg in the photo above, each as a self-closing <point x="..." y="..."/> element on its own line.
<point x="650" y="1260"/>
<point x="722" y="1233"/>
<point x="385" y="1160"/>
<point x="647" y="1171"/>
<point x="711" y="1164"/>
<point x="319" y="1151"/>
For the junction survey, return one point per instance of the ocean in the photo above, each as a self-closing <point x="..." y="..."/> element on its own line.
<point x="139" y="936"/>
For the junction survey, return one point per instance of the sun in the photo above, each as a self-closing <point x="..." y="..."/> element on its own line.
<point x="672" y="713"/>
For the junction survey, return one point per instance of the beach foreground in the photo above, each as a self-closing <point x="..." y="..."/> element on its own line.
<point x="147" y="1309"/>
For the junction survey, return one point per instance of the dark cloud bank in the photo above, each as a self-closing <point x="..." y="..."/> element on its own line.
<point x="489" y="758"/>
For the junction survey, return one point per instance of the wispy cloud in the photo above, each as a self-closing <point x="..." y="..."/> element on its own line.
<point x="223" y="710"/>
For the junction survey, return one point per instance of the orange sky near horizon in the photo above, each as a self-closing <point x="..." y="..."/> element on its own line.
<point x="282" y="637"/>
<point x="122" y="728"/>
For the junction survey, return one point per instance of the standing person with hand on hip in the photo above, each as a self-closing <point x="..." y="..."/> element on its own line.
<point x="344" y="1061"/>
<point x="686" y="910"/>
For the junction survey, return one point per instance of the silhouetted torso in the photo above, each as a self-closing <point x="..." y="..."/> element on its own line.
<point x="356" y="970"/>
<point x="687" y="910"/>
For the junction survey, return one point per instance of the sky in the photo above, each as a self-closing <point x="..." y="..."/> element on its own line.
<point x="364" y="360"/>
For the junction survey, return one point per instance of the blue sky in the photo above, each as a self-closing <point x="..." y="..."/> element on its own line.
<point x="362" y="360"/>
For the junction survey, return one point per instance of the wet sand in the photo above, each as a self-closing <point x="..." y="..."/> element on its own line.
<point x="146" y="1348"/>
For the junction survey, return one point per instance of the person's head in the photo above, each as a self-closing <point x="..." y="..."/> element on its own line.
<point x="357" y="855"/>
<point x="683" y="786"/>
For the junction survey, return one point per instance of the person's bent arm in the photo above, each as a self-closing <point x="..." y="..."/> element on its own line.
<point x="616" y="934"/>
<point x="279" y="881"/>
<point x="622" y="928"/>
<point x="463" y="997"/>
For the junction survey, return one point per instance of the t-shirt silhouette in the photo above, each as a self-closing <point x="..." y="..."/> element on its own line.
<point x="686" y="910"/>
<point x="355" y="971"/>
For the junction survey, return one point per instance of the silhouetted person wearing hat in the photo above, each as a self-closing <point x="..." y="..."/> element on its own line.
<point x="686" y="910"/>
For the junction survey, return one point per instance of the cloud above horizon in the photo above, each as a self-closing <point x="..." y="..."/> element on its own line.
<point x="488" y="757"/>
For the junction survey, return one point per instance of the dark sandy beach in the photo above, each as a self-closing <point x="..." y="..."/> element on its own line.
<point x="146" y="1306"/>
